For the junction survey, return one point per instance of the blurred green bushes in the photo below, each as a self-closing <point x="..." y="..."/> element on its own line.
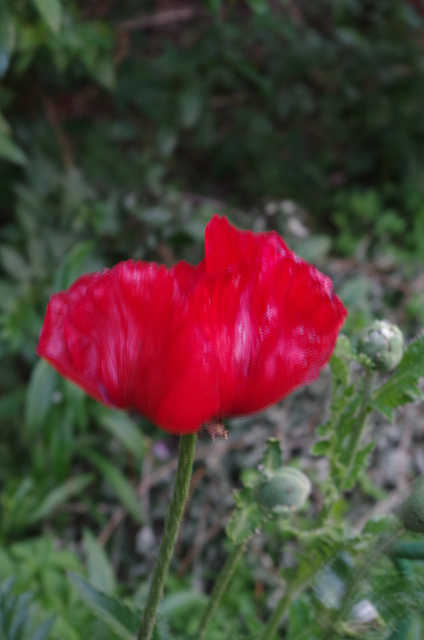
<point x="319" y="103"/>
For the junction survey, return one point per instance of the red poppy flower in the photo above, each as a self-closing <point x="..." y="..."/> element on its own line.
<point x="189" y="345"/>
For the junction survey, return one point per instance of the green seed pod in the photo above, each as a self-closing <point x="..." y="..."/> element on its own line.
<point x="288" y="488"/>
<point x="411" y="513"/>
<point x="383" y="343"/>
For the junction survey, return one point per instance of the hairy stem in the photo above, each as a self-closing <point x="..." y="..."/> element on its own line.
<point x="293" y="591"/>
<point x="221" y="587"/>
<point x="355" y="436"/>
<point x="169" y="536"/>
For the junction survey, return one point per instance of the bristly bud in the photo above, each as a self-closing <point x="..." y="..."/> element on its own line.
<point x="411" y="513"/>
<point x="383" y="343"/>
<point x="287" y="489"/>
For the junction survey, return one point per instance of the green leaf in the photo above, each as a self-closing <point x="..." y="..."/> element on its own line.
<point x="51" y="12"/>
<point x="324" y="429"/>
<point x="347" y="419"/>
<point x="244" y="523"/>
<point x="7" y="41"/>
<point x="300" y="615"/>
<point x="345" y="350"/>
<point x="386" y="524"/>
<point x="115" y="614"/>
<point x="321" y="448"/>
<point x="190" y="103"/>
<point x="100" y="570"/>
<point x="402" y="387"/>
<point x="73" y="265"/>
<point x="10" y="151"/>
<point x="124" y="429"/>
<point x="13" y="262"/>
<point x="118" y="482"/>
<point x="18" y="614"/>
<point x="41" y="387"/>
<point x="259" y="6"/>
<point x="359" y="465"/>
<point x="4" y="125"/>
<point x="61" y="494"/>
<point x="273" y="456"/>
<point x="339" y="370"/>
<point x="43" y="631"/>
<point x="185" y="600"/>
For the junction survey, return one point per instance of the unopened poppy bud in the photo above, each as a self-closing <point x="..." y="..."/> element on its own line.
<point x="383" y="343"/>
<point x="288" y="487"/>
<point x="411" y="513"/>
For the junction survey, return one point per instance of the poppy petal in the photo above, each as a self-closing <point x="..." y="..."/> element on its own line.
<point x="188" y="345"/>
<point x="274" y="326"/>
<point x="125" y="336"/>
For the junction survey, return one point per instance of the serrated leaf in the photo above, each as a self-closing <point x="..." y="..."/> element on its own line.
<point x="244" y="523"/>
<point x="115" y="614"/>
<point x="347" y="419"/>
<point x="59" y="495"/>
<point x="321" y="448"/>
<point x="273" y="456"/>
<point x="358" y="467"/>
<point x="118" y="482"/>
<point x="344" y="348"/>
<point x="339" y="370"/>
<point x="249" y="477"/>
<point x="383" y="525"/>
<point x="51" y="12"/>
<point x="100" y="570"/>
<point x="125" y="430"/>
<point x="402" y="387"/>
<point x="244" y="497"/>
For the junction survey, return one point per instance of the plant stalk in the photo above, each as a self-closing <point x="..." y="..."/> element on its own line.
<point x="169" y="536"/>
<point x="292" y="592"/>
<point x="361" y="421"/>
<point x="221" y="587"/>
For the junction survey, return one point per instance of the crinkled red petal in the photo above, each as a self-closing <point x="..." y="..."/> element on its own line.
<point x="190" y="344"/>
<point x="126" y="336"/>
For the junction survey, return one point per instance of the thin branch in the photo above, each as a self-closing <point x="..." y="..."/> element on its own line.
<point x="161" y="19"/>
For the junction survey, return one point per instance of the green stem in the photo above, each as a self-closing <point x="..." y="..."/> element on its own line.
<point x="292" y="592"/>
<point x="277" y="617"/>
<point x="221" y="587"/>
<point x="356" y="433"/>
<point x="169" y="536"/>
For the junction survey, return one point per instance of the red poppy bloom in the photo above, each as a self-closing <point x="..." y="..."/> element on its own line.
<point x="193" y="344"/>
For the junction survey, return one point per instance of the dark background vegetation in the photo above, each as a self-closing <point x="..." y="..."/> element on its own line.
<point x="124" y="125"/>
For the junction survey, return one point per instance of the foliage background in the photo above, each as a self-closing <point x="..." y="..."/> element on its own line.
<point x="123" y="127"/>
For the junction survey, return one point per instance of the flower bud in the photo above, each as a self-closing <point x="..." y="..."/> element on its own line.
<point x="383" y="343"/>
<point x="288" y="488"/>
<point x="411" y="513"/>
